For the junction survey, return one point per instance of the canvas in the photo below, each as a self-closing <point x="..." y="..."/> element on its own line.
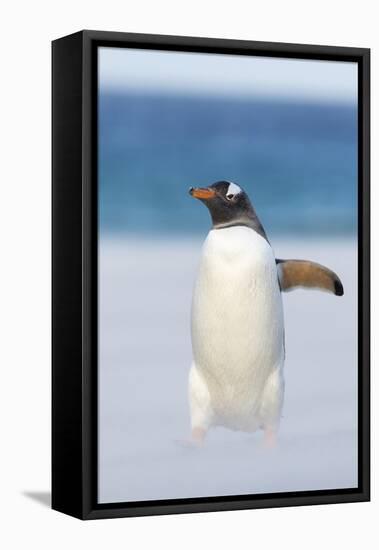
<point x="221" y="333"/>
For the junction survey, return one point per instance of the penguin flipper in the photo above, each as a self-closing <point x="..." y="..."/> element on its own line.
<point x="294" y="274"/>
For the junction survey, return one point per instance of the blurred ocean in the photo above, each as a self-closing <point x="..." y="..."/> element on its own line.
<point x="297" y="161"/>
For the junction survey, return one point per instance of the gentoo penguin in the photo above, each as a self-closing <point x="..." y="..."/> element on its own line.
<point x="236" y="378"/>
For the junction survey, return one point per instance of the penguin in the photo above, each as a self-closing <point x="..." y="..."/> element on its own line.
<point x="236" y="379"/>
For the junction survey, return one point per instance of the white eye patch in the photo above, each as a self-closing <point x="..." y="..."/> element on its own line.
<point x="233" y="189"/>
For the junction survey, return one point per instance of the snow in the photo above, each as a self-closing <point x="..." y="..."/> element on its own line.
<point x="144" y="358"/>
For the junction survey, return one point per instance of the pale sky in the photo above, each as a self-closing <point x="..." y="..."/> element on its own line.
<point x="226" y="75"/>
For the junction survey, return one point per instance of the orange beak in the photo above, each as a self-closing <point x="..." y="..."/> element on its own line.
<point x="202" y="193"/>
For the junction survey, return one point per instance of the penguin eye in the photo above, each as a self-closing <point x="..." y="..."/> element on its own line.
<point x="229" y="197"/>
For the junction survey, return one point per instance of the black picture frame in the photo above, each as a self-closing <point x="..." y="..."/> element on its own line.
<point x="74" y="273"/>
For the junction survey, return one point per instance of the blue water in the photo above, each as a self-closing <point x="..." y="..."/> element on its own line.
<point x="298" y="162"/>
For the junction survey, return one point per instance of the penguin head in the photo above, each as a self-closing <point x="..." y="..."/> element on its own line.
<point x="228" y="205"/>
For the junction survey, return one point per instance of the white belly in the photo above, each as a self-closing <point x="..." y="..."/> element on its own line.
<point x="237" y="324"/>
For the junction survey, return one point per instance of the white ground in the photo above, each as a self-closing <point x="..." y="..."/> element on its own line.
<point x="144" y="358"/>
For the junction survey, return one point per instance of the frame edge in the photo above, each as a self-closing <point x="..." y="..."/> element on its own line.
<point x="67" y="422"/>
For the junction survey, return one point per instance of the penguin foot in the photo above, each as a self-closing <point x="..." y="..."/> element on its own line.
<point x="270" y="439"/>
<point x="196" y="440"/>
<point x="198" y="436"/>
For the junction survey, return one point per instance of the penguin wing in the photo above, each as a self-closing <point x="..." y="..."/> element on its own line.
<point x="294" y="274"/>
